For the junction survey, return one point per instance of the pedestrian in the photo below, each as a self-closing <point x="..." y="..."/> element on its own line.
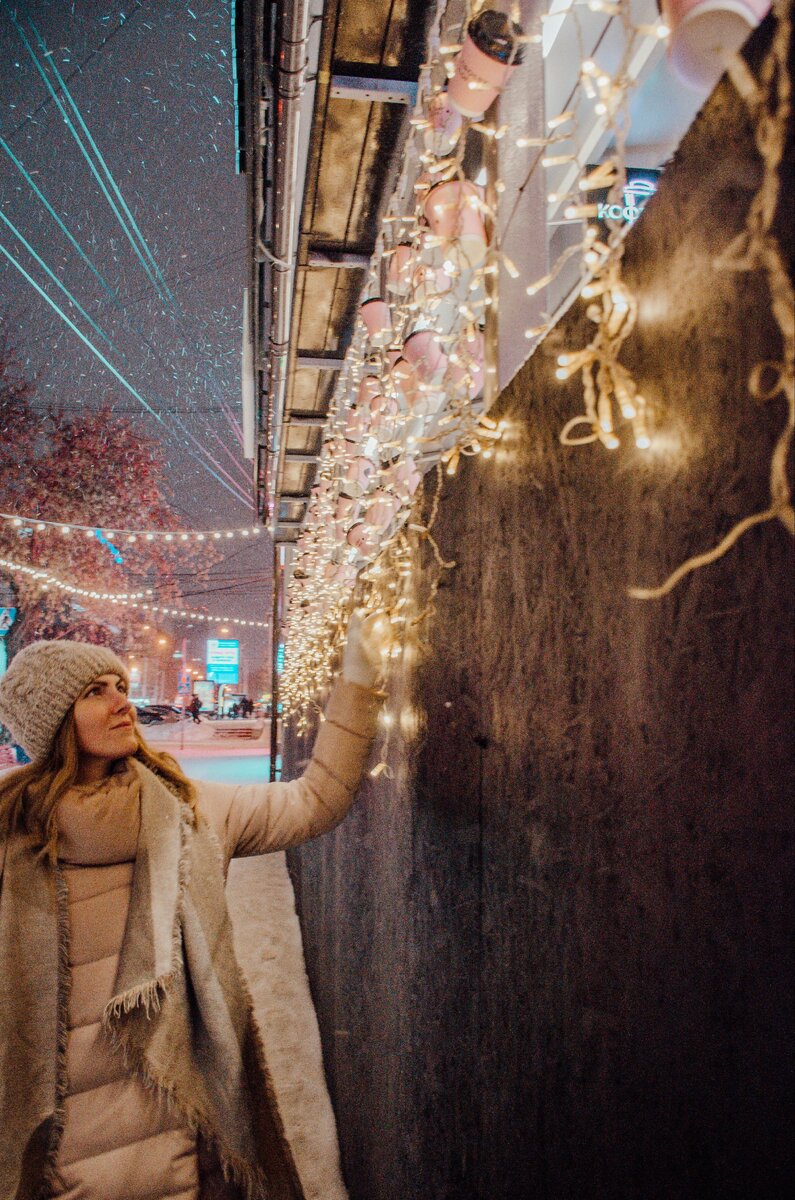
<point x="130" y="1065"/>
<point x="194" y="708"/>
<point x="234" y="711"/>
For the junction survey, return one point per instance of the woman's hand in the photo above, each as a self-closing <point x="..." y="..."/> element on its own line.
<point x="365" y="648"/>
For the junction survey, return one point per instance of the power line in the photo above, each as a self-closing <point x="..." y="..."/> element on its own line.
<point x="91" y="165"/>
<point x="81" y="335"/>
<point x="236" y="487"/>
<point x="125" y="21"/>
<point x="55" y="279"/>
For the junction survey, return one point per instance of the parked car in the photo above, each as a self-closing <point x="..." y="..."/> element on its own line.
<point x="147" y="714"/>
<point x="170" y="712"/>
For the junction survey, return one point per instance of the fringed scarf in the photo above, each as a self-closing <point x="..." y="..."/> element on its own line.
<point x="181" y="1014"/>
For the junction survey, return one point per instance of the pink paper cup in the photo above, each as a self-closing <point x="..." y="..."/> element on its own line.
<point x="401" y="267"/>
<point x="452" y="210"/>
<point x="378" y="321"/>
<point x="362" y="539"/>
<point x="369" y="388"/>
<point x="706" y="33"/>
<point x="477" y="81"/>
<point x="445" y="123"/>
<point x="423" y="351"/>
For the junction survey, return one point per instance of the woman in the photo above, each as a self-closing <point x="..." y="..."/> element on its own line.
<point x="130" y="1064"/>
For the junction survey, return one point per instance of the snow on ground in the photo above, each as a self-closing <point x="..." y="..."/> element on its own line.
<point x="213" y="756"/>
<point x="270" y="950"/>
<point x="222" y="765"/>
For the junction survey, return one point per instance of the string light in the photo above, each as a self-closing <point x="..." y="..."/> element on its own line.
<point x="40" y="525"/>
<point x="609" y="392"/>
<point x="757" y="248"/>
<point x="357" y="519"/>
<point x="45" y="580"/>
<point x="424" y="408"/>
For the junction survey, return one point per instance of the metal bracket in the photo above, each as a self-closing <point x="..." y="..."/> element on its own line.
<point x="319" y="361"/>
<point x="339" y="260"/>
<point x="373" y="89"/>
<point x="318" y="420"/>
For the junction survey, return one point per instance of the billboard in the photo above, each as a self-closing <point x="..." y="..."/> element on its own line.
<point x="223" y="660"/>
<point x="206" y="690"/>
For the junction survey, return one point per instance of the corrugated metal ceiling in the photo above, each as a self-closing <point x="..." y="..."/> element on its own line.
<point x="370" y="55"/>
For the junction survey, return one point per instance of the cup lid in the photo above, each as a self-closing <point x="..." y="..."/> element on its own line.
<point x="494" y="33"/>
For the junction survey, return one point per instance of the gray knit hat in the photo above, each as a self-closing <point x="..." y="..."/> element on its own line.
<point x="43" y="682"/>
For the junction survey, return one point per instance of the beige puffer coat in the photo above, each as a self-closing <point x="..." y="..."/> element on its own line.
<point x="120" y="1140"/>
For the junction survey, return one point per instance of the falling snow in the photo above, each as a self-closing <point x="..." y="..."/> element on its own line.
<point x="163" y="308"/>
<point x="150" y="84"/>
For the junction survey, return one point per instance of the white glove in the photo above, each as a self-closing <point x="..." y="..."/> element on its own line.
<point x="363" y="656"/>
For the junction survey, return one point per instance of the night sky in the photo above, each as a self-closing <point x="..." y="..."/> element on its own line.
<point x="153" y="84"/>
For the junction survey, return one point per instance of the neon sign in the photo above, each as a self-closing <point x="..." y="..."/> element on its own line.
<point x="639" y="188"/>
<point x="636" y="194"/>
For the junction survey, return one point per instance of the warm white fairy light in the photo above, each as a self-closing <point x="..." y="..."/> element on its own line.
<point x="371" y="447"/>
<point x="41" y="525"/>
<point x="368" y="470"/>
<point x="608" y="95"/>
<point x="45" y="579"/>
<point x="757" y="248"/>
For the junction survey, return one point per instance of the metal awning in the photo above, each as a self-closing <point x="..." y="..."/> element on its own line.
<point x="368" y="57"/>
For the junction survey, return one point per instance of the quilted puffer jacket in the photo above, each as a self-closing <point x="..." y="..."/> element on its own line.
<point x="122" y="1141"/>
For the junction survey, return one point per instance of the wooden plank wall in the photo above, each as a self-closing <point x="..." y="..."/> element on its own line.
<point x="552" y="955"/>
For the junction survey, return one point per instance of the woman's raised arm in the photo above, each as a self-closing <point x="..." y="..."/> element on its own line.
<point x="259" y="818"/>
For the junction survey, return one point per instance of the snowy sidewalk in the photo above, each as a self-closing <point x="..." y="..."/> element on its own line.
<point x="270" y="951"/>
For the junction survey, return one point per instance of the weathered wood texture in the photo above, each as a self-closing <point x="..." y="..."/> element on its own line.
<point x="552" y="956"/>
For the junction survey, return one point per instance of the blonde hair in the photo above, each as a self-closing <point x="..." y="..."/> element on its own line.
<point x="29" y="795"/>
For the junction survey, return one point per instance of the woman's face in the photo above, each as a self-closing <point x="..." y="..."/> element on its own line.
<point x="105" y="722"/>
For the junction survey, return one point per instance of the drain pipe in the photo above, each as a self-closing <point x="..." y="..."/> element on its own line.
<point x="289" y="90"/>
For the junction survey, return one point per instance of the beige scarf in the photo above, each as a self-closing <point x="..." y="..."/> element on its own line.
<point x="181" y="1013"/>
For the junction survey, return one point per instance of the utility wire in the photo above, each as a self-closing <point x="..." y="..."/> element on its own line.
<point x="238" y="491"/>
<point x="76" y="136"/>
<point x="77" y="69"/>
<point x="55" y="279"/>
<point x="40" y="195"/>
<point x="101" y="160"/>
<point x="113" y="296"/>
<point x="81" y="335"/>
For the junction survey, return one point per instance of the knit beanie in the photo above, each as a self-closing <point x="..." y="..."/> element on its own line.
<point x="43" y="682"/>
